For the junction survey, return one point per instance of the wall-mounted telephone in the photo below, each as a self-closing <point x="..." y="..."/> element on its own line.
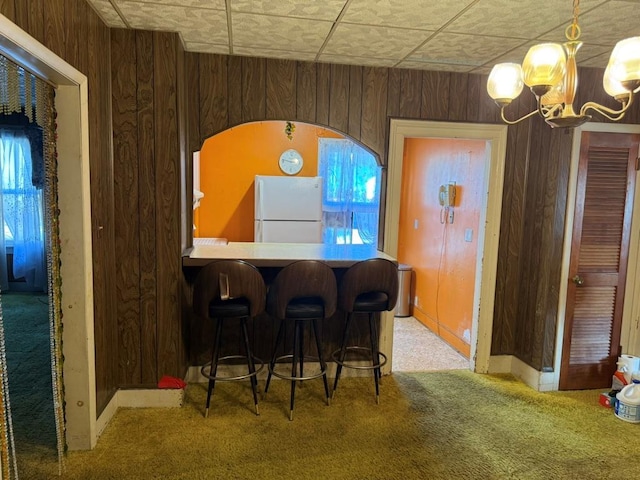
<point x="447" y="195"/>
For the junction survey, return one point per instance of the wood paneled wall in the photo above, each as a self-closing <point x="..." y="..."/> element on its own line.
<point x="147" y="75"/>
<point x="136" y="233"/>
<point x="225" y="91"/>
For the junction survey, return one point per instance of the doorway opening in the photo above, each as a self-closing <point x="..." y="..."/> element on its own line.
<point x="76" y="298"/>
<point x="488" y="224"/>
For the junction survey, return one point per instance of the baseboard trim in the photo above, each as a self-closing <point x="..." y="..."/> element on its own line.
<point x="151" y="398"/>
<point x="106" y="415"/>
<point x="541" y="381"/>
<point x="139" y="398"/>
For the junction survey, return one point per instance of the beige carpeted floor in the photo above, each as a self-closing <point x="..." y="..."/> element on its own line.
<point x="418" y="349"/>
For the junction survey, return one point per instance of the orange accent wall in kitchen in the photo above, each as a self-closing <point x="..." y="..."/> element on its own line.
<point x="444" y="263"/>
<point x="229" y="162"/>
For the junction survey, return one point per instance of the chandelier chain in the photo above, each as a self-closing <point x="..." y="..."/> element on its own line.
<point x="574" y="28"/>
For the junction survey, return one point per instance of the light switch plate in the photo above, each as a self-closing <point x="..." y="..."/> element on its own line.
<point x="468" y="235"/>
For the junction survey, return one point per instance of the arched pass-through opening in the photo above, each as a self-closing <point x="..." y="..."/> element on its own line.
<point x="228" y="162"/>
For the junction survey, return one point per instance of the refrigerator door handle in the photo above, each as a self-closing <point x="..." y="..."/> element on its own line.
<point x="259" y="214"/>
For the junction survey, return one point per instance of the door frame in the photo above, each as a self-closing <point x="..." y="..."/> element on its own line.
<point x="489" y="224"/>
<point x="74" y="200"/>
<point x="629" y="336"/>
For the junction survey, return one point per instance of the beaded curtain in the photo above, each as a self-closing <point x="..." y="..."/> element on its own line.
<point x="19" y="89"/>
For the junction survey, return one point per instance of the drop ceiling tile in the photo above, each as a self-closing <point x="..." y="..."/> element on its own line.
<point x="279" y="33"/>
<point x="108" y="14"/>
<point x="416" y="14"/>
<point x="363" y="61"/>
<point x="373" y="41"/>
<point x="445" y="67"/>
<point x="271" y="53"/>
<point x="516" y="19"/>
<point x="195" y="24"/>
<point x="604" y="25"/>
<point x="206" y="48"/>
<point x="205" y="35"/>
<point x="458" y="49"/>
<point x="312" y="9"/>
<point x="212" y="4"/>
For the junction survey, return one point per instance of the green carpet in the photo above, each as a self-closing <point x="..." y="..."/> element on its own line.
<point x="26" y="323"/>
<point x="439" y="425"/>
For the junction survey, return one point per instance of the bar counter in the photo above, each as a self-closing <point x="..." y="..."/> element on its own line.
<point x="270" y="258"/>
<point x="281" y="254"/>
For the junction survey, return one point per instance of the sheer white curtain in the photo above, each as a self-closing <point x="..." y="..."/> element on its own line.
<point x="351" y="182"/>
<point x="335" y="166"/>
<point x="22" y="212"/>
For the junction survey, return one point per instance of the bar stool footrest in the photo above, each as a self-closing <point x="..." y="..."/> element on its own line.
<point x="289" y="377"/>
<point x="221" y="361"/>
<point x="363" y="351"/>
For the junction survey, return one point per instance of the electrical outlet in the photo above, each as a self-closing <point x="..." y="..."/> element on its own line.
<point x="415" y="301"/>
<point x="415" y="224"/>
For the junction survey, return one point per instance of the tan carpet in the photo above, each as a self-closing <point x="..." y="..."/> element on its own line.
<point x="444" y="425"/>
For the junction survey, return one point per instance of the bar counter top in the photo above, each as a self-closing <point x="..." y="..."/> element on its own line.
<point x="281" y="254"/>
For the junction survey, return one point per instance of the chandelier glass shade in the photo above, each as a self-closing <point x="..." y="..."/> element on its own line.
<point x="550" y="72"/>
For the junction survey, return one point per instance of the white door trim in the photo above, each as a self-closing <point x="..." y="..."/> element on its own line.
<point x="630" y="337"/>
<point x="489" y="225"/>
<point x="75" y="226"/>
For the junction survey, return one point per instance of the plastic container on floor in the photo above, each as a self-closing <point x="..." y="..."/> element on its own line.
<point x="627" y="407"/>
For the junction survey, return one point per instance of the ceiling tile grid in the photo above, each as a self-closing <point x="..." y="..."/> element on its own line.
<point x="453" y="35"/>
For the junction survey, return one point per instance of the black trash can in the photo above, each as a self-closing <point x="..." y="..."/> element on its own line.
<point x="403" y="307"/>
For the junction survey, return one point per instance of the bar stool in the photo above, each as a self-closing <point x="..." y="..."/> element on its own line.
<point x="302" y="293"/>
<point x="229" y="289"/>
<point x="369" y="286"/>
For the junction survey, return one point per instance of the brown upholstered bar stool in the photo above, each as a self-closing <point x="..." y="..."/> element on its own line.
<point x="302" y="293"/>
<point x="367" y="287"/>
<point x="229" y="289"/>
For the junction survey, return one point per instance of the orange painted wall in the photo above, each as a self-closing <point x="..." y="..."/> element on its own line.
<point x="444" y="263"/>
<point x="230" y="160"/>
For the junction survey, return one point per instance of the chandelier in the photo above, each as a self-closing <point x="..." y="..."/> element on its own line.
<point x="549" y="70"/>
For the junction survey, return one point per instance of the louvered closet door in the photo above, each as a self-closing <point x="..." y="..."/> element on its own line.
<point x="599" y="252"/>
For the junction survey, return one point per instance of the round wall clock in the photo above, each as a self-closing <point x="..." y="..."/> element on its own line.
<point x="291" y="162"/>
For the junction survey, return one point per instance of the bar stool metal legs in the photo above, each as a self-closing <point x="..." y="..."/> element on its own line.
<point x="298" y="358"/>
<point x="378" y="359"/>
<point x="212" y="372"/>
<point x="368" y="287"/>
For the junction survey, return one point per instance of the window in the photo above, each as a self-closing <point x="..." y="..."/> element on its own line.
<point x="22" y="211"/>
<point x="351" y="192"/>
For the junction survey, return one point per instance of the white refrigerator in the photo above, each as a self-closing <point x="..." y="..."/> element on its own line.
<point x="288" y="209"/>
